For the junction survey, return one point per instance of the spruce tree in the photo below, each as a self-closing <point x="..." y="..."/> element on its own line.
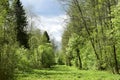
<point x="21" y="23"/>
<point x="46" y="38"/>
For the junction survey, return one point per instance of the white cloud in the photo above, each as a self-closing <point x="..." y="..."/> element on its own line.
<point x="49" y="16"/>
<point x="53" y="25"/>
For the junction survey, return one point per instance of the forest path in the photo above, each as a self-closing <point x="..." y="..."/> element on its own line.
<point x="67" y="73"/>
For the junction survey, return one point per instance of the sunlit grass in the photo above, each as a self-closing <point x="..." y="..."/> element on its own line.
<point x="67" y="73"/>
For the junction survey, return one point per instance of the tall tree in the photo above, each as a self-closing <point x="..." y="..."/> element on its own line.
<point x="21" y="24"/>
<point x="73" y="50"/>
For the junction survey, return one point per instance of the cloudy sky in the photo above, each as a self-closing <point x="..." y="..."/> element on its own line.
<point x="50" y="16"/>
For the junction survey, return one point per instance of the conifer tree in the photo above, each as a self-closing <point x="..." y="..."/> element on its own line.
<point x="21" y="23"/>
<point x="46" y="38"/>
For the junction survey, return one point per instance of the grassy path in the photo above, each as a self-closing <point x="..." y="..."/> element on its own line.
<point x="67" y="73"/>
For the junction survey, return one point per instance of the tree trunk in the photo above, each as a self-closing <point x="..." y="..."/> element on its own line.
<point x="79" y="58"/>
<point x="115" y="59"/>
<point x="86" y="27"/>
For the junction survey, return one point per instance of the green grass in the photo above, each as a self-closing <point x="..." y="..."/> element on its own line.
<point x="67" y="73"/>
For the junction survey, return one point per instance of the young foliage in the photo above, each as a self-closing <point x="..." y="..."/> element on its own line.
<point x="46" y="55"/>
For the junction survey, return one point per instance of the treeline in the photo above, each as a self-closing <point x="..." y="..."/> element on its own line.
<point x="91" y="39"/>
<point x="22" y="47"/>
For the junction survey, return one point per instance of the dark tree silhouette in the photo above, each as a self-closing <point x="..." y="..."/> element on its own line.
<point x="21" y="23"/>
<point x="46" y="37"/>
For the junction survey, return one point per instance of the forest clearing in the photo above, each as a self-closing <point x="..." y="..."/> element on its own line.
<point x="62" y="72"/>
<point x="60" y="40"/>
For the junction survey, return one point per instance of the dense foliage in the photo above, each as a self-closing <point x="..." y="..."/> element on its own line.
<point x="21" y="49"/>
<point x="96" y="23"/>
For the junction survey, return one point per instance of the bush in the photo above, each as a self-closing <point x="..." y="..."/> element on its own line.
<point x="60" y="61"/>
<point x="23" y="61"/>
<point x="46" y="55"/>
<point x="61" y="58"/>
<point x="8" y="61"/>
